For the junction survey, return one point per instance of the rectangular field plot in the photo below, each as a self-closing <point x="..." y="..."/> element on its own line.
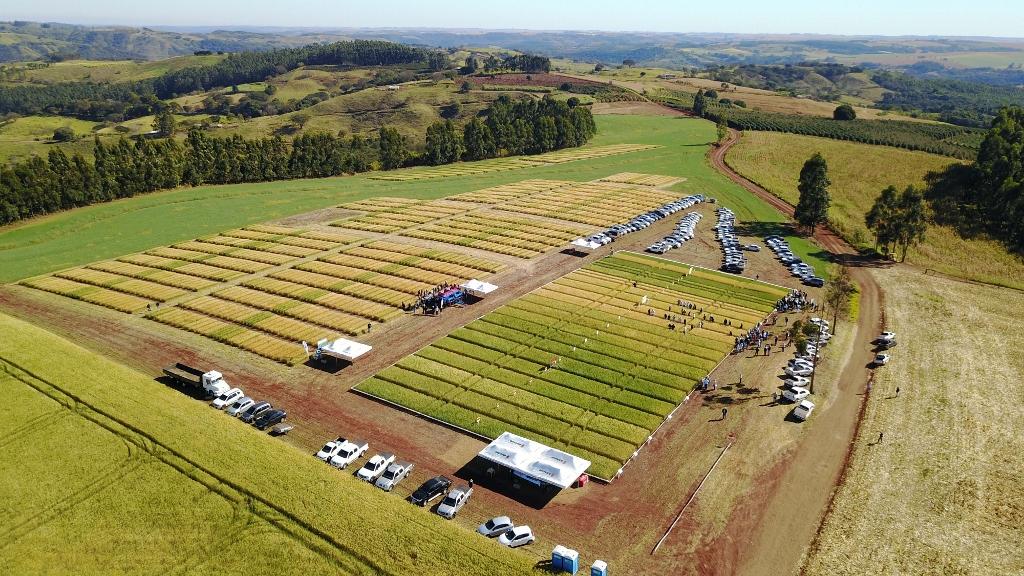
<point x="593" y="203"/>
<point x="503" y="234"/>
<point x="386" y="219"/>
<point x="501" y="164"/>
<point x="579" y="364"/>
<point x="641" y="179"/>
<point x="511" y="191"/>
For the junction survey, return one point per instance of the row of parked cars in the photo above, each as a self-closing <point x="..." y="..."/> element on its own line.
<point x="385" y="471"/>
<point x="733" y="259"/>
<point x="262" y="415"/>
<point x="644" y="220"/>
<point x="800" y="369"/>
<point x="684" y="231"/>
<point x="797" y="267"/>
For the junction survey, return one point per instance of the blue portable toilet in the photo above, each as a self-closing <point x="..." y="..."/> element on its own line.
<point x="600" y="568"/>
<point x="571" y="561"/>
<point x="557" y="556"/>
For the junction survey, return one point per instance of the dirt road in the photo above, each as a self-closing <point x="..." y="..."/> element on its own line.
<point x="796" y="507"/>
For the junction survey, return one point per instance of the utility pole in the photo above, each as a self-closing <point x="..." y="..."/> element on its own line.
<point x="814" y="358"/>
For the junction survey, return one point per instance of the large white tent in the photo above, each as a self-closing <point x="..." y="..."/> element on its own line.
<point x="341" y="348"/>
<point x="534" y="461"/>
<point x="477" y="288"/>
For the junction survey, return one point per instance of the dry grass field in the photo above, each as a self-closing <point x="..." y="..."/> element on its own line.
<point x="858" y="173"/>
<point x="941" y="493"/>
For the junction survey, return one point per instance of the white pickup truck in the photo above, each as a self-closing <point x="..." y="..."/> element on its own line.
<point x="349" y="452"/>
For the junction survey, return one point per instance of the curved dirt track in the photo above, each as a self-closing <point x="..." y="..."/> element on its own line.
<point x="802" y="494"/>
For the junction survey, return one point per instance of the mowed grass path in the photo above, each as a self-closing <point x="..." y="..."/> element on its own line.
<point x="587" y="363"/>
<point x="95" y="480"/>
<point x="941" y="494"/>
<point x="859" y="172"/>
<point x="132" y="225"/>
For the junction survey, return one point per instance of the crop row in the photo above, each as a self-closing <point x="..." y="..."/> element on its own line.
<point x="166" y="277"/>
<point x="347" y="287"/>
<point x="88" y="293"/>
<point x="272" y="258"/>
<point x="313" y="313"/>
<point x="231" y="263"/>
<point x="482" y="264"/>
<point x="396" y="269"/>
<point x="464" y="267"/>
<point x="142" y="288"/>
<point x="229" y="333"/>
<point x="182" y="266"/>
<point x="640" y="179"/>
<point x="266" y="321"/>
<point x="349" y="304"/>
<point x="379" y="204"/>
<point x="365" y="276"/>
<point x="511" y="191"/>
<point x="274" y="247"/>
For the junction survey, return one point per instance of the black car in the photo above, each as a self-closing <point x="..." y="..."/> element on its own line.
<point x="430" y="489"/>
<point x="255" y="411"/>
<point x="270" y="418"/>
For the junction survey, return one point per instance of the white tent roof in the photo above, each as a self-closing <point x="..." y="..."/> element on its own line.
<point x="344" y="349"/>
<point x="535" y="460"/>
<point x="585" y="244"/>
<point x="478" y="288"/>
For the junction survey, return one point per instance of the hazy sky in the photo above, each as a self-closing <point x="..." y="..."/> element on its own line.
<point x="888" y="17"/>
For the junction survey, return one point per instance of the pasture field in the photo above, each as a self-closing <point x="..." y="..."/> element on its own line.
<point x="581" y="363"/>
<point x="109" y="230"/>
<point x="773" y="160"/>
<point x="101" y="71"/>
<point x="266" y="288"/>
<point x="940" y="493"/>
<point x="84" y="448"/>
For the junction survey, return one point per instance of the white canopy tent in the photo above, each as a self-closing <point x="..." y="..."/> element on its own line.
<point x="583" y="245"/>
<point x="477" y="288"/>
<point x="534" y="461"/>
<point x="341" y="348"/>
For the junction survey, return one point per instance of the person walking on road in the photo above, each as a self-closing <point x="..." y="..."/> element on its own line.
<point x="725" y="412"/>
<point x="880" y="435"/>
<point x="897" y="391"/>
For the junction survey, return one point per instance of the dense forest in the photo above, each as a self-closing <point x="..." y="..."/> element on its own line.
<point x="129" y="167"/>
<point x="98" y="102"/>
<point x="955" y="101"/>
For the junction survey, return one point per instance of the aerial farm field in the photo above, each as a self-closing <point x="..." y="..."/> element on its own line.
<point x="89" y="454"/>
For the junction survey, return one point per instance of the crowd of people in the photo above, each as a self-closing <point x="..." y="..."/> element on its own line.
<point x="431" y="301"/>
<point x="795" y="301"/>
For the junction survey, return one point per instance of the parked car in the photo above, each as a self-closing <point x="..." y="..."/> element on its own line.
<point x="516" y="537"/>
<point x="348" y="452"/>
<point x="886" y="336"/>
<point x="796" y="381"/>
<point x="430" y="490"/>
<point x="795" y="394"/>
<point x="240" y="405"/>
<point x="227" y="398"/>
<point x="454" y="501"/>
<point x="495" y="526"/>
<point x="330" y="449"/>
<point x="270" y="418"/>
<point x="375" y="466"/>
<point x="881" y="359"/>
<point x="393" y="475"/>
<point x="802" y="411"/>
<point x="254" y="411"/>
<point x="799" y="371"/>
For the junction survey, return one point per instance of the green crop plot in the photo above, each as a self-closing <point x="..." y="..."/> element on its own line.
<point x="95" y="481"/>
<point x="587" y="363"/>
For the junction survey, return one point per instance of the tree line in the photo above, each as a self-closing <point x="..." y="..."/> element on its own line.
<point x="98" y="102"/>
<point x="127" y="168"/>
<point x="511" y="127"/>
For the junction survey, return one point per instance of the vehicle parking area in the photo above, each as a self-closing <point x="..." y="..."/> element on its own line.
<point x="618" y="522"/>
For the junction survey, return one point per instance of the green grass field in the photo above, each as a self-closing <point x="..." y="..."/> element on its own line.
<point x="941" y="493"/>
<point x="186" y="488"/>
<point x="103" y="71"/>
<point x="108" y="230"/>
<point x="620" y="370"/>
<point x="859" y="172"/>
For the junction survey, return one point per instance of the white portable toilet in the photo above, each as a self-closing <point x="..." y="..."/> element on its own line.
<point x="599" y="568"/>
